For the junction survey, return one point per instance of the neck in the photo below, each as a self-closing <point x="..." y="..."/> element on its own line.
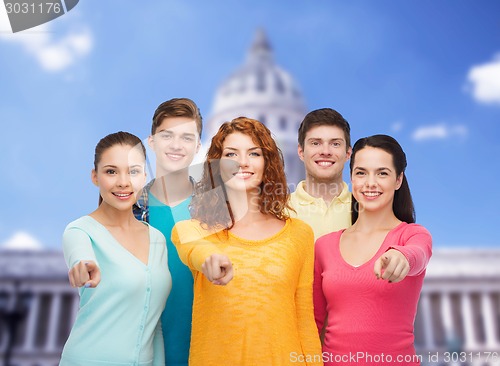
<point x="110" y="216"/>
<point x="375" y="221"/>
<point x="327" y="190"/>
<point x="171" y="188"/>
<point x="244" y="204"/>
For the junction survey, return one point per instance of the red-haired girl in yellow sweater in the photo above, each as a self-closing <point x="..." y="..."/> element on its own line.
<point x="241" y="237"/>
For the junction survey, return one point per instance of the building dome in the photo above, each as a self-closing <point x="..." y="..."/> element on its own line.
<point x="262" y="90"/>
<point x="259" y="82"/>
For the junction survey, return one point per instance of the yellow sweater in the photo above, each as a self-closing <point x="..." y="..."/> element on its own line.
<point x="264" y="316"/>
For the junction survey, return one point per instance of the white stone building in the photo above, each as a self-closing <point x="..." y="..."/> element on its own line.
<point x="459" y="308"/>
<point x="42" y="331"/>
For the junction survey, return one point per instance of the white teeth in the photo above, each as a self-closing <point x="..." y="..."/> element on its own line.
<point x="325" y="163"/>
<point x="122" y="194"/>
<point x="243" y="175"/>
<point x="371" y="194"/>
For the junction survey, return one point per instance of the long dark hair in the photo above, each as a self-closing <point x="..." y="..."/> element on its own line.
<point x="402" y="205"/>
<point x="117" y="138"/>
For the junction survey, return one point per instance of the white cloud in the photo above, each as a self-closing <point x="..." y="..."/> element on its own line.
<point x="53" y="54"/>
<point x="21" y="241"/>
<point x="484" y="80"/>
<point x="439" y="132"/>
<point x="58" y="56"/>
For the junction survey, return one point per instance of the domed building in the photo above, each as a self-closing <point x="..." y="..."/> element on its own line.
<point x="262" y="90"/>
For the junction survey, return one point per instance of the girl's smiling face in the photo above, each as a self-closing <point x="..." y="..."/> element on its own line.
<point x="374" y="179"/>
<point x="120" y="175"/>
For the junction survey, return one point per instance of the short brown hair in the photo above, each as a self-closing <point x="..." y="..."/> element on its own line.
<point x="177" y="107"/>
<point x="324" y="117"/>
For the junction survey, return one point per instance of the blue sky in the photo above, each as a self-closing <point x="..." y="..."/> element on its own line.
<point x="426" y="72"/>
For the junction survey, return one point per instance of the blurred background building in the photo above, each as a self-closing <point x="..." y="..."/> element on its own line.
<point x="262" y="90"/>
<point x="459" y="309"/>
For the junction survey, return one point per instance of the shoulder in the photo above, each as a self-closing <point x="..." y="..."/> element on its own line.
<point x="298" y="238"/>
<point x="79" y="231"/>
<point x="408" y="231"/>
<point x="299" y="194"/>
<point x="293" y="203"/>
<point x="299" y="226"/>
<point x="78" y="222"/>
<point x="300" y="234"/>
<point x="293" y="196"/>
<point x="331" y="236"/>
<point x="189" y="230"/>
<point x="414" y="229"/>
<point x="328" y="239"/>
<point x="191" y="224"/>
<point x="298" y="188"/>
<point x="84" y="223"/>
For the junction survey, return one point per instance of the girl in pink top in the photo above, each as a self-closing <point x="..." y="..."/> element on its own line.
<point x="367" y="278"/>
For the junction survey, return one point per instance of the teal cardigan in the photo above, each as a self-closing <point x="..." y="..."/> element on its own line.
<point x="118" y="322"/>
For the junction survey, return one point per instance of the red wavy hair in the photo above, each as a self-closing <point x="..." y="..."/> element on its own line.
<point x="210" y="204"/>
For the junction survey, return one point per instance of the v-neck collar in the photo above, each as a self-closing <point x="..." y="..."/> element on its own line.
<point x="377" y="254"/>
<point x="117" y="243"/>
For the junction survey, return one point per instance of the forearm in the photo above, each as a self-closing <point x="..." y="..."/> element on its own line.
<point x="417" y="249"/>
<point x="308" y="331"/>
<point x="192" y="244"/>
<point x="194" y="255"/>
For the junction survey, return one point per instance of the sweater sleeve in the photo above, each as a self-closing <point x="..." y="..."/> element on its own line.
<point x="192" y="245"/>
<point x="415" y="244"/>
<point x="308" y="334"/>
<point x="320" y="311"/>
<point x="77" y="246"/>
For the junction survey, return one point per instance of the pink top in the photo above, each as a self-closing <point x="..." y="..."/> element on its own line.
<point x="370" y="321"/>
